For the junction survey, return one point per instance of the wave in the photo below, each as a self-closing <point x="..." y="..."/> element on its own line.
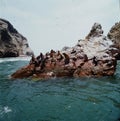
<point x="15" y="59"/>
<point x="5" y="109"/>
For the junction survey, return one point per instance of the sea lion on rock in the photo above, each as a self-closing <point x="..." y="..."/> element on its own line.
<point x="85" y="57"/>
<point x="39" y="58"/>
<point x="52" y="52"/>
<point x="33" y="60"/>
<point x="67" y="59"/>
<point x="59" y="56"/>
<point x="95" y="61"/>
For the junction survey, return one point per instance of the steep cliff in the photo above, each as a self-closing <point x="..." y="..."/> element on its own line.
<point x="114" y="35"/>
<point x="12" y="43"/>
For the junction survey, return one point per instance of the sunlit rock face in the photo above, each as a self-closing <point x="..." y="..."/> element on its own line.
<point x="12" y="43"/>
<point x="114" y="35"/>
<point x="93" y="56"/>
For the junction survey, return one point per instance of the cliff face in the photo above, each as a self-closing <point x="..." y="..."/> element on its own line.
<point x="12" y="43"/>
<point x="114" y="35"/>
<point x="93" y="56"/>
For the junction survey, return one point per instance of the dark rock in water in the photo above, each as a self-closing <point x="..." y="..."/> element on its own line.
<point x="12" y="43"/>
<point x="94" y="56"/>
<point x="114" y="35"/>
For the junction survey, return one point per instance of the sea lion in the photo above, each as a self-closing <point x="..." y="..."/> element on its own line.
<point x="85" y="58"/>
<point x="95" y="61"/>
<point x="52" y="52"/>
<point x="59" y="56"/>
<point x="67" y="59"/>
<point x="43" y="59"/>
<point x="33" y="60"/>
<point x="39" y="58"/>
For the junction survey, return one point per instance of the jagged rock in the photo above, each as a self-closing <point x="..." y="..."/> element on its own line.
<point x="96" y="31"/>
<point x="93" y="56"/>
<point x="114" y="35"/>
<point x="12" y="43"/>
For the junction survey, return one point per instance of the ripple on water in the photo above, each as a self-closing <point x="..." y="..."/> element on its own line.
<point x="4" y="110"/>
<point x="59" y="99"/>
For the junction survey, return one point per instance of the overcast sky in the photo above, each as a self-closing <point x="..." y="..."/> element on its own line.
<point x="53" y="24"/>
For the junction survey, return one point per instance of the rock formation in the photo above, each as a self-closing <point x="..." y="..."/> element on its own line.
<point x="114" y="35"/>
<point x="12" y="43"/>
<point x="93" y="56"/>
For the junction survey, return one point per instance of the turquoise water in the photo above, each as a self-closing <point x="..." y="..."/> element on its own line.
<point x="58" y="99"/>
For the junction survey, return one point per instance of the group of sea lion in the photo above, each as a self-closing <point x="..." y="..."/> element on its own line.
<point x="51" y="59"/>
<point x="58" y="59"/>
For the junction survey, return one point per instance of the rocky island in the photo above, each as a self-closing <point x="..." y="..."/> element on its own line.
<point x="96" y="55"/>
<point x="12" y="43"/>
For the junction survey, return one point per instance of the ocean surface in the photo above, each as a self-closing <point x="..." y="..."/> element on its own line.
<point x="58" y="99"/>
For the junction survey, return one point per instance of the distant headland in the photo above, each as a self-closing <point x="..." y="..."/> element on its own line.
<point x="12" y="43"/>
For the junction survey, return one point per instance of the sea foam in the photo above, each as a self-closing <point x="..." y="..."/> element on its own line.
<point x="5" y="109"/>
<point x="15" y="59"/>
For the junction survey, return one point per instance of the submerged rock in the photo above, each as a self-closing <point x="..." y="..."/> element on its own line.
<point x="93" y="56"/>
<point x="12" y="43"/>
